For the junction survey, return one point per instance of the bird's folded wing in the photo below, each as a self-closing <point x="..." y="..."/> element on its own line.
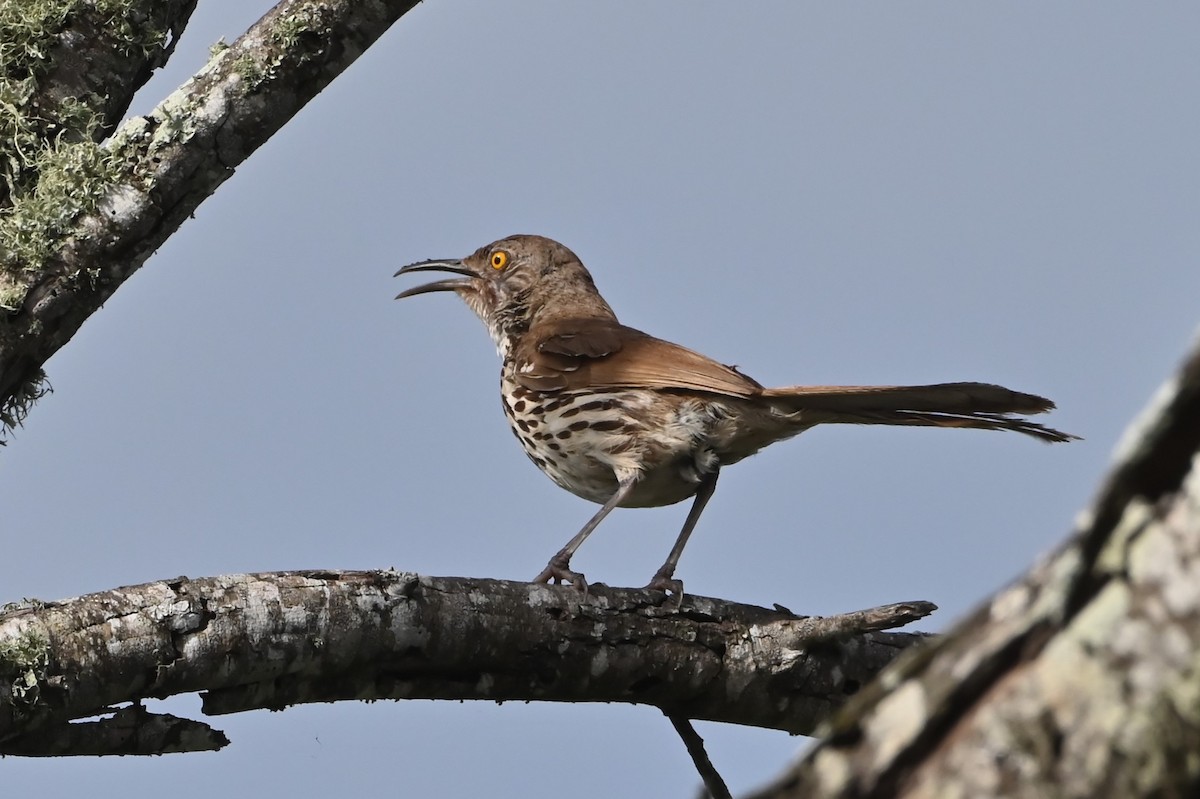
<point x="599" y="354"/>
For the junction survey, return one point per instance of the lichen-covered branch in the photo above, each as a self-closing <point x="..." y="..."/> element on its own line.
<point x="68" y="72"/>
<point x="85" y="216"/>
<point x="1082" y="680"/>
<point x="273" y="640"/>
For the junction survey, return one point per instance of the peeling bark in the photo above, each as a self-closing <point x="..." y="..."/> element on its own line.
<point x="274" y="640"/>
<point x="1081" y="680"/>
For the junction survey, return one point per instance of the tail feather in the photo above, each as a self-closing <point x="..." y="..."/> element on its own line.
<point x="980" y="406"/>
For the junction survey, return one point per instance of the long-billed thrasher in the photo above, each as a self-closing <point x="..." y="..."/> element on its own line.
<point x="624" y="419"/>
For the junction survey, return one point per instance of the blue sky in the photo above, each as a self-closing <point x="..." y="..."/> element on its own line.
<point x="819" y="193"/>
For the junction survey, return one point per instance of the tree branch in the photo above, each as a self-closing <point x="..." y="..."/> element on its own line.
<point x="274" y="640"/>
<point x="96" y="214"/>
<point x="714" y="784"/>
<point x="129" y="731"/>
<point x="1080" y="680"/>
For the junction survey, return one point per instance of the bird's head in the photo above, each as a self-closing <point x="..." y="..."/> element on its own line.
<point x="514" y="283"/>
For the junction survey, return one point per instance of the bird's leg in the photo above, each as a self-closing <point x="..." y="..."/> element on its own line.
<point x="559" y="567"/>
<point x="664" y="578"/>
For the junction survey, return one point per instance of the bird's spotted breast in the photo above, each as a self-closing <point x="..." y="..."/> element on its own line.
<point x="587" y="441"/>
<point x="576" y="438"/>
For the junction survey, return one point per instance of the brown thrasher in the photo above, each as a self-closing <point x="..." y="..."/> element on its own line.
<point x="624" y="419"/>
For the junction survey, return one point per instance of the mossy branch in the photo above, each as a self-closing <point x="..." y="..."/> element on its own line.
<point x="81" y="217"/>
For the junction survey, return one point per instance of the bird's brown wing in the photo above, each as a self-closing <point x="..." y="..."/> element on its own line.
<point x="600" y="353"/>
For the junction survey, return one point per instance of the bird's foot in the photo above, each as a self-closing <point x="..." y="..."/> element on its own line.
<point x="663" y="581"/>
<point x="558" y="571"/>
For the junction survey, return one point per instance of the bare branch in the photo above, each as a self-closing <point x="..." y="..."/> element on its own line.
<point x="129" y="731"/>
<point x="273" y="640"/>
<point x="717" y="789"/>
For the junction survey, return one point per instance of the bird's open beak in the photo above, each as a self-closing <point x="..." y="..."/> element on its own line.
<point x="453" y="284"/>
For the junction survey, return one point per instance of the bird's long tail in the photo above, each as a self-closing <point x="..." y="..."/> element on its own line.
<point x="981" y="406"/>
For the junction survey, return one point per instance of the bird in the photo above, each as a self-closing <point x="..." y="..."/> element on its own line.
<point x="624" y="419"/>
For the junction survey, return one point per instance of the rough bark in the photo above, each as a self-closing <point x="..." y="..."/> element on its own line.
<point x="274" y="640"/>
<point x="1081" y="680"/>
<point x="91" y="215"/>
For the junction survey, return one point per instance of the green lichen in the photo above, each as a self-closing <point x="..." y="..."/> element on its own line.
<point x="20" y="137"/>
<point x="72" y="180"/>
<point x="23" y="135"/>
<point x="30" y="29"/>
<point x="24" y="663"/>
<point x="250" y="71"/>
<point x="127" y="23"/>
<point x="283" y="38"/>
<point x="291" y="28"/>
<point x="52" y="170"/>
<point x="28" y="32"/>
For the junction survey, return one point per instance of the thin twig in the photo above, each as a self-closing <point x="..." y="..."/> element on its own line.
<point x="884" y="617"/>
<point x="695" y="746"/>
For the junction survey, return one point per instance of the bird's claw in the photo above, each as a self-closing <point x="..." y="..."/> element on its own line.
<point x="559" y="573"/>
<point x="668" y="585"/>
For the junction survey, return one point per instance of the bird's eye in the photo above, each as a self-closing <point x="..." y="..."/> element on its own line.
<point x="499" y="259"/>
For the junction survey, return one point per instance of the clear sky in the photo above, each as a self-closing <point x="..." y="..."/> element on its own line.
<point x="817" y="192"/>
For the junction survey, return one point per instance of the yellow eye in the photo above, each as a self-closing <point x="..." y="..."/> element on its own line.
<point x="499" y="259"/>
